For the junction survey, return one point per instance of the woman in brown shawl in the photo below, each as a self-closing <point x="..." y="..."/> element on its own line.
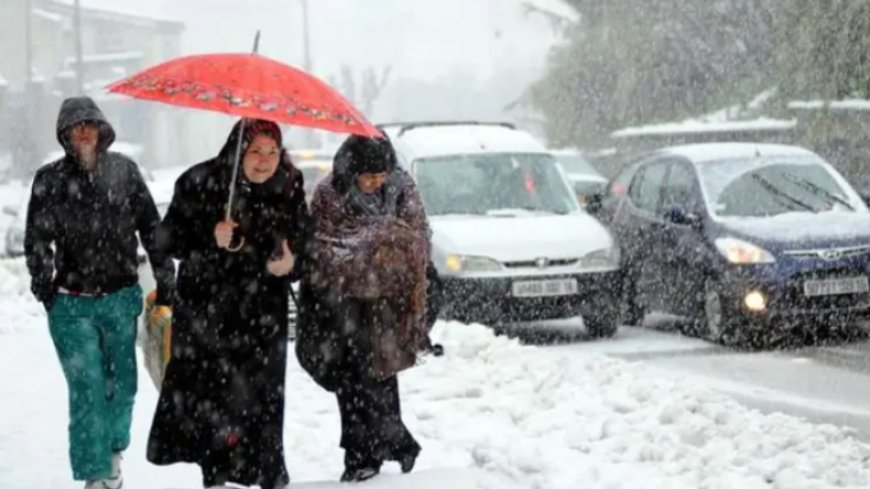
<point x="362" y="313"/>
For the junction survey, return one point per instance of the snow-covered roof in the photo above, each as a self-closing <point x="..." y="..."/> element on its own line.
<point x="465" y="139"/>
<point x="143" y="10"/>
<point x="696" y="127"/>
<point x="107" y="57"/>
<point x="848" y="104"/>
<point x="556" y="7"/>
<point x="701" y="153"/>
<point x="45" y="14"/>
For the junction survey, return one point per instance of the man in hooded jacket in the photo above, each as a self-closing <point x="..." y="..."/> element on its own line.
<point x="83" y="217"/>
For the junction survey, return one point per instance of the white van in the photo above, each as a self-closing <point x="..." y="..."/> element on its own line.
<point x="510" y="240"/>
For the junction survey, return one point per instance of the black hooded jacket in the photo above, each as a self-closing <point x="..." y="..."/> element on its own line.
<point x="91" y="219"/>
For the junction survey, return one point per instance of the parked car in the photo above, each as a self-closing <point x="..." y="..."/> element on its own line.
<point x="15" y="232"/>
<point x="315" y="165"/>
<point x="510" y="241"/>
<point x="746" y="240"/>
<point x="586" y="181"/>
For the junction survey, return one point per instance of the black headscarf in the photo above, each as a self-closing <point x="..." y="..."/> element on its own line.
<point x="253" y="127"/>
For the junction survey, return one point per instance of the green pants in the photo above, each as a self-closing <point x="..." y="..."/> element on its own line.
<point x="95" y="339"/>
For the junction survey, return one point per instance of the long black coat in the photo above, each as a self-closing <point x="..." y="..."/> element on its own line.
<point x="222" y="399"/>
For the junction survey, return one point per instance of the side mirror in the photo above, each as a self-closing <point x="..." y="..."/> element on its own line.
<point x="678" y="214"/>
<point x="10" y="210"/>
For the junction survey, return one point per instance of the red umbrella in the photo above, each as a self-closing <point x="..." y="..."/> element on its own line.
<point x="247" y="85"/>
<point x="250" y="86"/>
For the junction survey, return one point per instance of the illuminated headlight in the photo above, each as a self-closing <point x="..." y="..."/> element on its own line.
<point x="605" y="257"/>
<point x="471" y="264"/>
<point x="740" y="252"/>
<point x="755" y="301"/>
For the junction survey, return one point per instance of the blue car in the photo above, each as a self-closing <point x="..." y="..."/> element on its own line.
<point x="745" y="240"/>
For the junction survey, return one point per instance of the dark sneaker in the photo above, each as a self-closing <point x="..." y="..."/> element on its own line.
<point x="359" y="475"/>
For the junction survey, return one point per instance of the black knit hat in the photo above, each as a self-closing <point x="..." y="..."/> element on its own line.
<point x="360" y="154"/>
<point x="368" y="155"/>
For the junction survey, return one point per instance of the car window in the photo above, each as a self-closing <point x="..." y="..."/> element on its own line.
<point x="493" y="182"/>
<point x="757" y="187"/>
<point x="680" y="188"/>
<point x="575" y="163"/>
<point x="645" y="191"/>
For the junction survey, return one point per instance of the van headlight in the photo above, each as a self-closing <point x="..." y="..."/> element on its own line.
<point x="603" y="258"/>
<point x="471" y="264"/>
<point x="741" y="252"/>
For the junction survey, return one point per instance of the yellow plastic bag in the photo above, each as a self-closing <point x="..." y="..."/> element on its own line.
<point x="157" y="344"/>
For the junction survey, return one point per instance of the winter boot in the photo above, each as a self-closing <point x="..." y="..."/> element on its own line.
<point x="359" y="475"/>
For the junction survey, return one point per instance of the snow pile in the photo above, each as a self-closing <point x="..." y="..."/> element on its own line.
<point x="848" y="104"/>
<point x="698" y="126"/>
<point x="559" y="421"/>
<point x="18" y="307"/>
<point x="490" y="414"/>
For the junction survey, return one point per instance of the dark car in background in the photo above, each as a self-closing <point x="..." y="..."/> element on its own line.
<point x="746" y="240"/>
<point x="585" y="180"/>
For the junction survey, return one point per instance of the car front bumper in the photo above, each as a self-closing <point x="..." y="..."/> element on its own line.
<point x="787" y="305"/>
<point x="490" y="300"/>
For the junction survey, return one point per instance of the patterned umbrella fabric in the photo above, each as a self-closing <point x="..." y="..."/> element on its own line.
<point x="247" y="85"/>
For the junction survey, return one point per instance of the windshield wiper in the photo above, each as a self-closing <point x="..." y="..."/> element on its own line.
<point x="816" y="189"/>
<point x="775" y="191"/>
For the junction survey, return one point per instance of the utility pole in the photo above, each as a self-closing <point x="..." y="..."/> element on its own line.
<point x="306" y="46"/>
<point x="80" y="66"/>
<point x="306" y="41"/>
<point x="28" y="43"/>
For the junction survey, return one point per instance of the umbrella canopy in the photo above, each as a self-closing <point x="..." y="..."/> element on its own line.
<point x="247" y="85"/>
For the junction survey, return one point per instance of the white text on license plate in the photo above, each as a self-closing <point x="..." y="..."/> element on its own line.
<point x="838" y="286"/>
<point x="545" y="288"/>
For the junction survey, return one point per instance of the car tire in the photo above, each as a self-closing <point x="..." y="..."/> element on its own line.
<point x="604" y="318"/>
<point x="633" y="313"/>
<point x="717" y="326"/>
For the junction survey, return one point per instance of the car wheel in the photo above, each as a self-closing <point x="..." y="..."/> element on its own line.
<point x="633" y="312"/>
<point x="713" y="314"/>
<point x="718" y="326"/>
<point x="602" y="326"/>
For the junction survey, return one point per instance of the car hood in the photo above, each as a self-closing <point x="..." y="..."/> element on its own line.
<point x="794" y="230"/>
<point x="585" y="177"/>
<point x="520" y="238"/>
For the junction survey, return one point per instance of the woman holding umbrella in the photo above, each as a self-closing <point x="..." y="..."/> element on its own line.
<point x="222" y="400"/>
<point x="363" y="300"/>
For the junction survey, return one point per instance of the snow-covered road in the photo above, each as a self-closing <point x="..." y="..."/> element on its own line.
<point x="490" y="414"/>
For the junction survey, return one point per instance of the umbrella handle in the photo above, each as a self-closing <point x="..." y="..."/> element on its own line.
<point x="236" y="162"/>
<point x="237" y="248"/>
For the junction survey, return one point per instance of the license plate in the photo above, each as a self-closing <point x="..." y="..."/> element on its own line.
<point x="545" y="288"/>
<point x="839" y="286"/>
